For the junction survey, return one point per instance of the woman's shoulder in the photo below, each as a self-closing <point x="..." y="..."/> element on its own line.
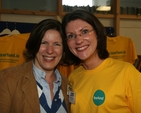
<point x="16" y="70"/>
<point x="118" y="64"/>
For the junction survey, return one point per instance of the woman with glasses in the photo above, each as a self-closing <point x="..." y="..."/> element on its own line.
<point x="100" y="84"/>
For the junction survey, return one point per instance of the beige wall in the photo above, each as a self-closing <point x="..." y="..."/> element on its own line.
<point x="132" y="29"/>
<point x="128" y="28"/>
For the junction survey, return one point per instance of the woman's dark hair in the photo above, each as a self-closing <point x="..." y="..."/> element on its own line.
<point x="98" y="27"/>
<point x="34" y="41"/>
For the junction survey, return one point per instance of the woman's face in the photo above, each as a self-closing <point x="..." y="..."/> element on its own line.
<point x="50" y="51"/>
<point x="81" y="40"/>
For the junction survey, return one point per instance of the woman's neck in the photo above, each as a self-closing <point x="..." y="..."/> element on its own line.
<point x="91" y="64"/>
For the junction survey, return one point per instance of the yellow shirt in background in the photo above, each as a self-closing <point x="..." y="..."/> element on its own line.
<point x="11" y="50"/>
<point x="121" y="48"/>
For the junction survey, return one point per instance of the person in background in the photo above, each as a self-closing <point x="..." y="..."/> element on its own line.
<point x="36" y="86"/>
<point x="100" y="84"/>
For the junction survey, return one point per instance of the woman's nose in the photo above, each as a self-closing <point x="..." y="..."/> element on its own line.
<point x="49" y="49"/>
<point x="79" y="39"/>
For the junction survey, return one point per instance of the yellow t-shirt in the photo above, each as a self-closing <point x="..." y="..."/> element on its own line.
<point x="112" y="87"/>
<point x="121" y="48"/>
<point x="11" y="50"/>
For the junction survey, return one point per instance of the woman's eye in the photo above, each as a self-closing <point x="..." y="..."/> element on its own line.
<point x="70" y="36"/>
<point x="43" y="42"/>
<point x="57" y="44"/>
<point x="85" y="31"/>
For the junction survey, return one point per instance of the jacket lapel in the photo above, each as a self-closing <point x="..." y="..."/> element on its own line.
<point x="30" y="87"/>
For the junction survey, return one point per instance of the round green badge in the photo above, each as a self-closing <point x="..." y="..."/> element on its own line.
<point x="99" y="97"/>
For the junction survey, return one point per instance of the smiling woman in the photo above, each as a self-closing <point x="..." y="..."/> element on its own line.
<point x="37" y="85"/>
<point x="100" y="84"/>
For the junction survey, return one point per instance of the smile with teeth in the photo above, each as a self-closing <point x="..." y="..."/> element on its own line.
<point x="82" y="48"/>
<point x="48" y="58"/>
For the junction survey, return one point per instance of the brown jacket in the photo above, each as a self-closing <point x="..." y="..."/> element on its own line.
<point x="18" y="90"/>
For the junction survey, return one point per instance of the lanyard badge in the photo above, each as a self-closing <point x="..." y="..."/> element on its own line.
<point x="72" y="94"/>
